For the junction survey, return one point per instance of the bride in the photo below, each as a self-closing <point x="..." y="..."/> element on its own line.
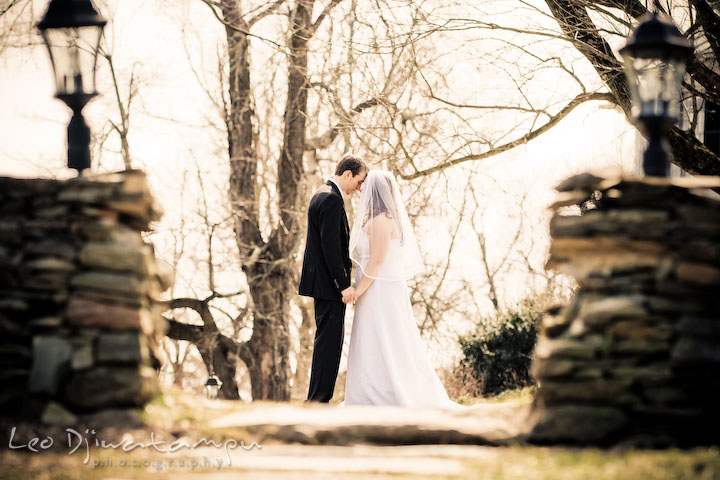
<point x="387" y="361"/>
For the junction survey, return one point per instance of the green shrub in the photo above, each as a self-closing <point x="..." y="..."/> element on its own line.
<point x="497" y="354"/>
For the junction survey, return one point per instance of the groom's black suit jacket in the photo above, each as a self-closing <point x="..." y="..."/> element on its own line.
<point x="326" y="265"/>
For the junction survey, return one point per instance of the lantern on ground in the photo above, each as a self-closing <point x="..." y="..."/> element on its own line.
<point x="212" y="387"/>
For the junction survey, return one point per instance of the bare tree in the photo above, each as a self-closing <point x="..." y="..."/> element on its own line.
<point x="267" y="257"/>
<point x="574" y="44"/>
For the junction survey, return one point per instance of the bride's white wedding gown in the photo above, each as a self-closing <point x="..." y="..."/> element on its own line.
<point x="387" y="362"/>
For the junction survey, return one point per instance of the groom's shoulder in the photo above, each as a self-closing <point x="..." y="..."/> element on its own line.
<point x="324" y="193"/>
<point x="323" y="190"/>
<point x="324" y="200"/>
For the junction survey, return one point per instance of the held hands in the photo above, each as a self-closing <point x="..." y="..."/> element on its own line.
<point x="349" y="295"/>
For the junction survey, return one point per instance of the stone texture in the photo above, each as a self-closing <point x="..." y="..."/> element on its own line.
<point x="700" y="250"/>
<point x="649" y="375"/>
<point x="601" y="310"/>
<point x="114" y="297"/>
<point x="640" y="347"/>
<point x="592" y="390"/>
<point x="51" y="357"/>
<point x="555" y="322"/>
<point x="125" y="284"/>
<point x="638" y="331"/>
<point x="698" y="273"/>
<point x="97" y="230"/>
<point x="85" y="312"/>
<point x="565" y="348"/>
<point x="635" y="354"/>
<point x="666" y="396"/>
<point x="10" y="231"/>
<point x="114" y="417"/>
<point x="56" y="414"/>
<point x="579" y="424"/>
<point x="50" y="281"/>
<point x="52" y="211"/>
<point x="41" y="228"/>
<point x="122" y="348"/>
<point x="83" y="357"/>
<point x="115" y="256"/>
<point x="103" y="387"/>
<point x="554" y="368"/>
<point x="82" y="194"/>
<point x="51" y="264"/>
<point x="696" y="350"/>
<point x="645" y="217"/>
<point x="78" y="310"/>
<point x="46" y="322"/>
<point x="582" y="257"/>
<point x="674" y="305"/>
<point x="699" y="326"/>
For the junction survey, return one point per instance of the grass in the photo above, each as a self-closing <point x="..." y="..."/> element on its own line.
<point x="549" y="463"/>
<point x="521" y="395"/>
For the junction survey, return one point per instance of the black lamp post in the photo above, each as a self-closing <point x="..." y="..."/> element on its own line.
<point x="72" y="30"/>
<point x="655" y="58"/>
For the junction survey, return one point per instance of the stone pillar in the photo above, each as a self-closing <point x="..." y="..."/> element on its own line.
<point x="78" y="289"/>
<point x="635" y="356"/>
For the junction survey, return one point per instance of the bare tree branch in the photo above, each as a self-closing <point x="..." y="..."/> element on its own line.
<point x="326" y="139"/>
<point x="328" y="8"/>
<point x="7" y="8"/>
<point x="269" y="9"/>
<point x="554" y="120"/>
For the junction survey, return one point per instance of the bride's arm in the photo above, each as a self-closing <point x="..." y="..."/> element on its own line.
<point x="381" y="230"/>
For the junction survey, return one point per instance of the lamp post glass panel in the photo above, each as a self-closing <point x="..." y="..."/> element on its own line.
<point x="72" y="30"/>
<point x="655" y="58"/>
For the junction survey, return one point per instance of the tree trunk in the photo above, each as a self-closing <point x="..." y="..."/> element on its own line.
<point x="268" y="265"/>
<point x="306" y="333"/>
<point x="224" y="365"/>
<point x="270" y="342"/>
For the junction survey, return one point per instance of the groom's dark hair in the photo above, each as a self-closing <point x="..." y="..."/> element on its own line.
<point x="350" y="162"/>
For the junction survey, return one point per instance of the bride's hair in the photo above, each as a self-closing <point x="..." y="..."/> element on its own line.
<point x="381" y="197"/>
<point x="382" y="200"/>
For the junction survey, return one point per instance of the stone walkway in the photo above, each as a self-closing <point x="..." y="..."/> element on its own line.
<point x="349" y="462"/>
<point x="484" y="424"/>
<point x="327" y="442"/>
<point x="352" y="442"/>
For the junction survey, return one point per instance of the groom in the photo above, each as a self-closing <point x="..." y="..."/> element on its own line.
<point x="326" y="272"/>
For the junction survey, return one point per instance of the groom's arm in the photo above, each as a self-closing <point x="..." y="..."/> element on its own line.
<point x="331" y="224"/>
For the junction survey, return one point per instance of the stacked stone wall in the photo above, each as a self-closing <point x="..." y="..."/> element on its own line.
<point x="79" y="322"/>
<point x="635" y="356"/>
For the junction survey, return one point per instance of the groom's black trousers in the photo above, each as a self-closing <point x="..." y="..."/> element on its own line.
<point x="330" y="323"/>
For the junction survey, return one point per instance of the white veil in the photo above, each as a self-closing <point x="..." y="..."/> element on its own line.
<point x="381" y="196"/>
